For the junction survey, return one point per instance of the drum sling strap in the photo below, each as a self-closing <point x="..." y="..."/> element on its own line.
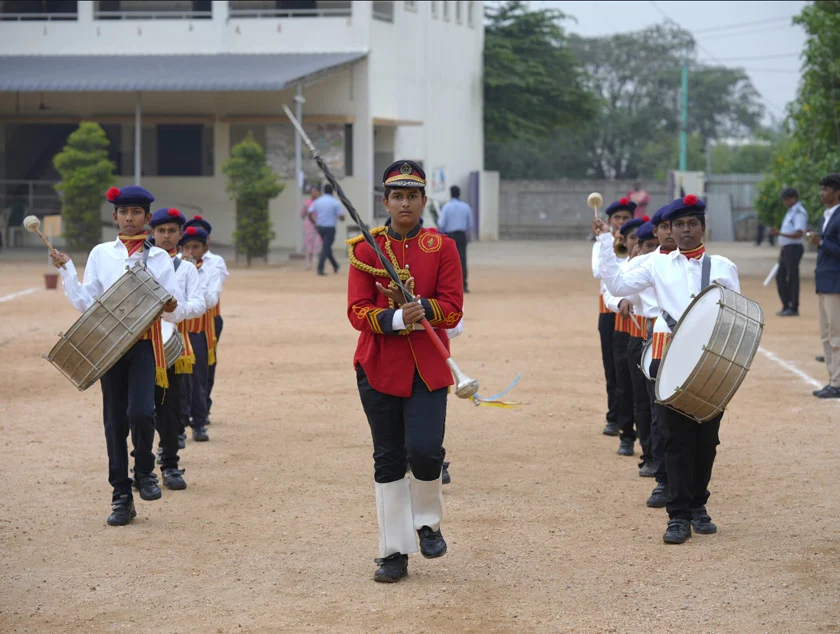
<point x="705" y="276"/>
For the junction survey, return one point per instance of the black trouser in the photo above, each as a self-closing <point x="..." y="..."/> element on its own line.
<point x="185" y="385"/>
<point x="657" y="437"/>
<point x="787" y="278"/>
<point x="641" y="400"/>
<point x="606" y="328"/>
<point x="405" y="431"/>
<point x="168" y="419"/>
<point x="128" y="398"/>
<point x="460" y="238"/>
<point x="623" y="386"/>
<point x="211" y="371"/>
<point x="327" y="237"/>
<point x="198" y="381"/>
<point x="690" y="449"/>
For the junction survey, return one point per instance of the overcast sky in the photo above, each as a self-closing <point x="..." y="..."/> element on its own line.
<point x="764" y="32"/>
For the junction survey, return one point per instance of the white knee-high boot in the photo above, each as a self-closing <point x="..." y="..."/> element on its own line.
<point x="393" y="511"/>
<point x="426" y="503"/>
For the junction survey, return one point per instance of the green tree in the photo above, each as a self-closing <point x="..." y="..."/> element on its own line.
<point x="86" y="174"/>
<point x="813" y="147"/>
<point x="532" y="81"/>
<point x="251" y="184"/>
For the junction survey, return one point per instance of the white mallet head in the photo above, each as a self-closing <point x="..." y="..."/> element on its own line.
<point x="31" y="223"/>
<point x="595" y="200"/>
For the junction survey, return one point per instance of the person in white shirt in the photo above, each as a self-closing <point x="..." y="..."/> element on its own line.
<point x="167" y="227"/>
<point x="202" y="331"/>
<point x="217" y="262"/>
<point x="128" y="388"/>
<point x="793" y="228"/>
<point x="690" y="447"/>
<point x="618" y="213"/>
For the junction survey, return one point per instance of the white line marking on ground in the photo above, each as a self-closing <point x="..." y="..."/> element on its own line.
<point x="18" y="294"/>
<point x="787" y="365"/>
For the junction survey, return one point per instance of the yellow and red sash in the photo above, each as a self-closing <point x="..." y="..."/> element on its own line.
<point x="185" y="363"/>
<point x="660" y="340"/>
<point x="640" y="331"/>
<point x="207" y="325"/>
<point x="155" y="335"/>
<point x="134" y="244"/>
<point x="622" y="324"/>
<point x="602" y="307"/>
<point x="695" y="254"/>
<point x="217" y="311"/>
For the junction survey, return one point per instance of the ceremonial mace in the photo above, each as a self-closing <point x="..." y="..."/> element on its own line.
<point x="32" y="224"/>
<point x="465" y="386"/>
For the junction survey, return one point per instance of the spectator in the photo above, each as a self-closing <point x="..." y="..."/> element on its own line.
<point x="326" y="212"/>
<point x="456" y="222"/>
<point x="790" y="240"/>
<point x="641" y="198"/>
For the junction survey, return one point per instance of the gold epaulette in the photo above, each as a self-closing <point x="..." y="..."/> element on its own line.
<point x="374" y="232"/>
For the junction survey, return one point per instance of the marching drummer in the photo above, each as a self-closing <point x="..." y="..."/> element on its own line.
<point x="215" y="261"/>
<point x="618" y="213"/>
<point x="166" y="224"/>
<point x="202" y="330"/>
<point x="128" y="388"/>
<point x="690" y="447"/>
<point x="402" y="379"/>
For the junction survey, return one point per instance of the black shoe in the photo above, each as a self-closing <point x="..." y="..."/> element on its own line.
<point x="146" y="484"/>
<point x="122" y="511"/>
<point x="788" y="312"/>
<point x="701" y="522"/>
<point x="182" y="441"/>
<point x="828" y="392"/>
<point x="658" y="497"/>
<point x="431" y="543"/>
<point x="625" y="447"/>
<point x="336" y="270"/>
<point x="610" y="429"/>
<point x="820" y="358"/>
<point x="173" y="479"/>
<point x="391" y="568"/>
<point x="679" y="530"/>
<point x="444" y="474"/>
<point x="200" y="434"/>
<point x="647" y="470"/>
<point x="322" y="273"/>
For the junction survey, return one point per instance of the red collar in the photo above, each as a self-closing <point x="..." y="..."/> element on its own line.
<point x="695" y="254"/>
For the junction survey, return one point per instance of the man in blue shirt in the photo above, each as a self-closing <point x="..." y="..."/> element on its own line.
<point x="456" y="222"/>
<point x="790" y="239"/>
<point x="327" y="211"/>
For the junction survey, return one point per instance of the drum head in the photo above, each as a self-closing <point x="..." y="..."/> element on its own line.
<point x="167" y="329"/>
<point x="647" y="359"/>
<point x="693" y="331"/>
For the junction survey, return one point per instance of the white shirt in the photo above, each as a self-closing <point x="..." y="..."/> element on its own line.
<point x="193" y="306"/>
<point x="644" y="302"/>
<point x="211" y="284"/>
<point x="827" y="214"/>
<point x="796" y="219"/>
<point x="218" y="262"/>
<point x="106" y="263"/>
<point x="674" y="278"/>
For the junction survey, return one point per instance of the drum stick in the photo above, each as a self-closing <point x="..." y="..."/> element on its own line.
<point x="32" y="224"/>
<point x="595" y="200"/>
<point x="772" y="274"/>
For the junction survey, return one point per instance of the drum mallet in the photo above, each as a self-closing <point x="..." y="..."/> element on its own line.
<point x="32" y="224"/>
<point x="595" y="200"/>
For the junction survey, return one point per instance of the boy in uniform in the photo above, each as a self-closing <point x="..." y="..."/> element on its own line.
<point x="128" y="388"/>
<point x="402" y="379"/>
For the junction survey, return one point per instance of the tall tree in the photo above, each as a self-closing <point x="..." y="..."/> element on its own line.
<point x="813" y="146"/>
<point x="532" y="81"/>
<point x="86" y="173"/>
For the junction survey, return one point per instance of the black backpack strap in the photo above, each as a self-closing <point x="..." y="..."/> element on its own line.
<point x="147" y="246"/>
<point x="176" y="262"/>
<point x="670" y="321"/>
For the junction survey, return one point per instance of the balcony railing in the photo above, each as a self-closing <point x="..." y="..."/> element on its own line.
<point x="40" y="17"/>
<point x="292" y="13"/>
<point x="152" y="15"/>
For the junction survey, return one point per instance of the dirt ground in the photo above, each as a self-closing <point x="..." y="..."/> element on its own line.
<point x="546" y="525"/>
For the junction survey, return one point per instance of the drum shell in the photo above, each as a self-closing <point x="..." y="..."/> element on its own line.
<point x="173" y="344"/>
<point x="725" y="360"/>
<point x="108" y="329"/>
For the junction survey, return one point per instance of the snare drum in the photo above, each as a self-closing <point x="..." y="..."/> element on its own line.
<point x="173" y="343"/>
<point x="647" y="359"/>
<point x="710" y="353"/>
<point x="106" y="330"/>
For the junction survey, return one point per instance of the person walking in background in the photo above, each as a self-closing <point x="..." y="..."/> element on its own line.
<point x="325" y="212"/>
<point x="311" y="238"/>
<point x="641" y="198"/>
<point x="790" y="240"/>
<point x="827" y="277"/>
<point x="456" y="222"/>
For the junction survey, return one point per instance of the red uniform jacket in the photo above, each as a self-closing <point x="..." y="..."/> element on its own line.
<point x="389" y="358"/>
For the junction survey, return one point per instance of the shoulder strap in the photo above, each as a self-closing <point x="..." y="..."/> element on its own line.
<point x="706" y="271"/>
<point x="147" y="246"/>
<point x="176" y="262"/>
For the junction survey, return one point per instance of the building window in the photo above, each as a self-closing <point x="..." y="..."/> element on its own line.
<point x="152" y="9"/>
<point x="45" y="10"/>
<point x="458" y="12"/>
<point x="434" y="4"/>
<point x="447" y="10"/>
<point x="290" y="8"/>
<point x="411" y="5"/>
<point x="471" y="14"/>
<point x="383" y="11"/>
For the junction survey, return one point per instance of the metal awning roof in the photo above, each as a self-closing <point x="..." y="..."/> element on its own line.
<point x="164" y="73"/>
